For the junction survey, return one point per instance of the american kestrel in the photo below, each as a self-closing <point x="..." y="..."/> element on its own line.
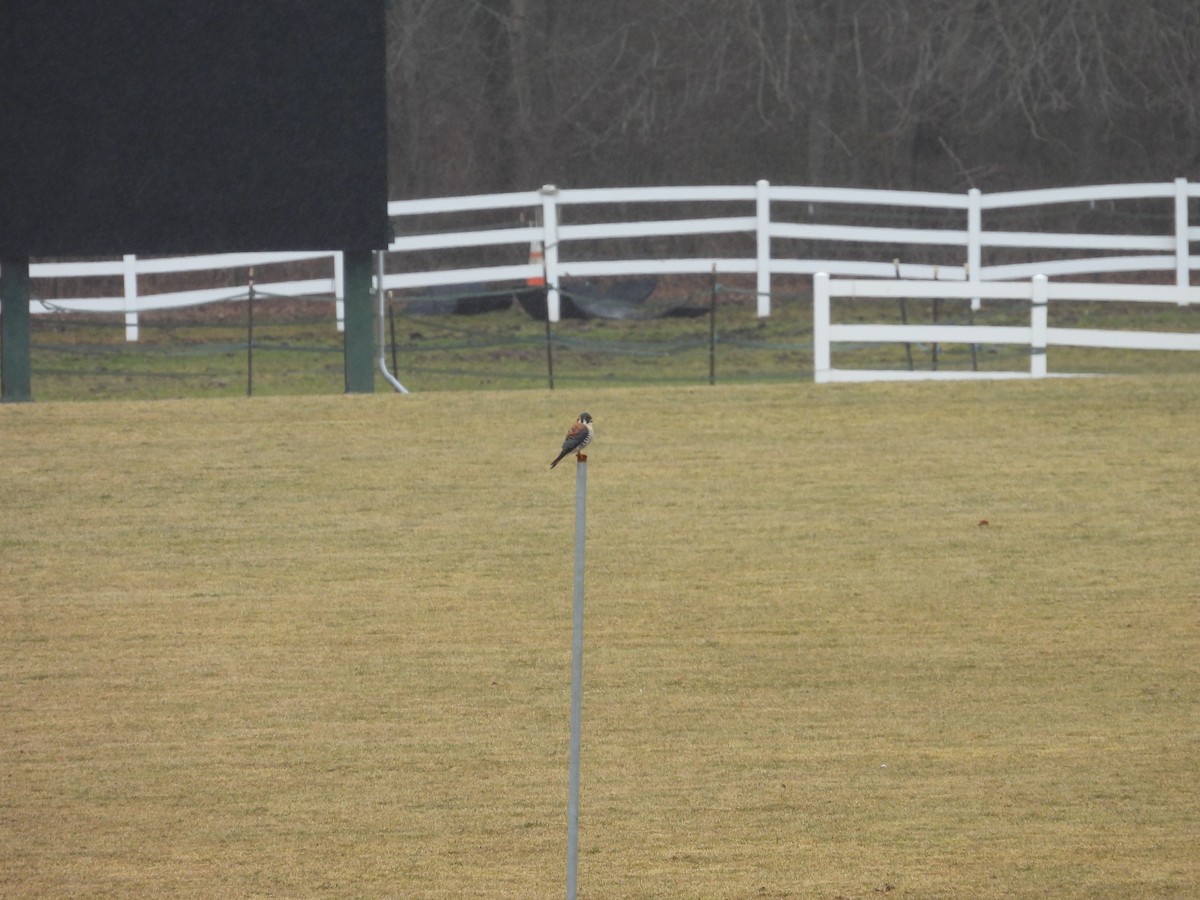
<point x="579" y="435"/>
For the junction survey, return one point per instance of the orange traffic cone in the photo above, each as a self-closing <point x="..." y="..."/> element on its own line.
<point x="537" y="258"/>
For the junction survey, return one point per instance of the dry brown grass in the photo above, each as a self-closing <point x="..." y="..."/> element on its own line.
<point x="320" y="646"/>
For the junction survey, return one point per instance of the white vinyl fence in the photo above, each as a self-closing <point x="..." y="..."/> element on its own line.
<point x="131" y="301"/>
<point x="783" y="228"/>
<point x="1037" y="336"/>
<point x="777" y="217"/>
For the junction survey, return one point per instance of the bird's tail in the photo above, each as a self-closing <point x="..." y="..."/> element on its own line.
<point x="559" y="458"/>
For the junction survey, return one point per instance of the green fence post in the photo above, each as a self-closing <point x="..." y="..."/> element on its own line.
<point x="360" y="323"/>
<point x="14" y="329"/>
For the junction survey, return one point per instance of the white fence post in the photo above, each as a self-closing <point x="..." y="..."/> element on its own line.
<point x="1038" y="320"/>
<point x="339" y="294"/>
<point x="821" y="353"/>
<point x="974" y="240"/>
<point x="762" y="215"/>
<point x="550" y="250"/>
<point x="131" y="304"/>
<point x="1182" y="248"/>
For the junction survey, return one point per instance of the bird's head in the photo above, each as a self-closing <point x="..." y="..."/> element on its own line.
<point x="585" y="418"/>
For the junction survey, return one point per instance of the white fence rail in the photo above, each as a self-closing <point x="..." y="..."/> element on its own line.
<point x="775" y="228"/>
<point x="1037" y="336"/>
<point x="131" y="301"/>
<point x="773" y="218"/>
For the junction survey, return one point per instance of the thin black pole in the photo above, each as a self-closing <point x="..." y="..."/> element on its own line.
<point x="576" y="682"/>
<point x="712" y="328"/>
<point x="392" y="328"/>
<point x="934" y="349"/>
<point x="974" y="347"/>
<point x="904" y="318"/>
<point x="250" y="335"/>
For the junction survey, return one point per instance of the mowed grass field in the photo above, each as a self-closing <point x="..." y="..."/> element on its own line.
<point x="320" y="646"/>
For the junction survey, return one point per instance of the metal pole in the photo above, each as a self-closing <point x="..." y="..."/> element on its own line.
<point x="712" y="328"/>
<point x="974" y="347"/>
<point x="391" y="311"/>
<point x="250" y="335"/>
<point x="904" y="316"/>
<point x="933" y="353"/>
<point x="576" y="683"/>
<point x="383" y="298"/>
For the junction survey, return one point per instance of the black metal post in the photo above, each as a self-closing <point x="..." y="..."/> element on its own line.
<point x="712" y="328"/>
<point x="934" y="349"/>
<point x="392" y="330"/>
<point x="250" y="334"/>
<point x="903" y="316"/>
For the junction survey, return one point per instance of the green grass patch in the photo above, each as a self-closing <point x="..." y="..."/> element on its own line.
<point x="319" y="646"/>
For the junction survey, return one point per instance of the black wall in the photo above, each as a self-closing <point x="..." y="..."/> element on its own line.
<point x="189" y="126"/>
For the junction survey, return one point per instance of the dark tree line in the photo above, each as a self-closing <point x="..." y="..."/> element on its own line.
<point x="499" y="95"/>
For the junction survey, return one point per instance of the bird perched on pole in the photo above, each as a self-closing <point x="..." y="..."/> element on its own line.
<point x="579" y="435"/>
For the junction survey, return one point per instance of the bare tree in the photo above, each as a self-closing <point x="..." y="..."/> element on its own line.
<point x="940" y="94"/>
